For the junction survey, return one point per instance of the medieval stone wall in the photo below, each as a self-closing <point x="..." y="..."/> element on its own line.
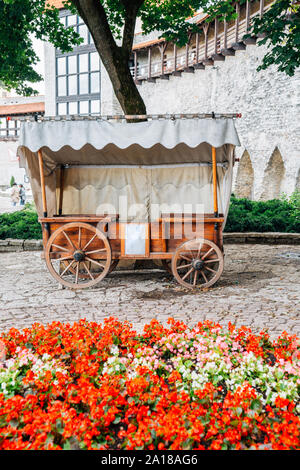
<point x="269" y="129"/>
<point x="268" y="100"/>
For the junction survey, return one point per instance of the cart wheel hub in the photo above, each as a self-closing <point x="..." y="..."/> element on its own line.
<point x="78" y="255"/>
<point x="198" y="264"/>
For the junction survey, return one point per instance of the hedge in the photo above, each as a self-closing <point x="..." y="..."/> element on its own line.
<point x="21" y="224"/>
<point x="276" y="215"/>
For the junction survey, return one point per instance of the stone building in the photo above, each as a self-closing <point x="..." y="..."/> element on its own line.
<point x="216" y="71"/>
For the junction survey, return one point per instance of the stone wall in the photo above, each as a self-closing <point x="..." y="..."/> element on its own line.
<point x="268" y="100"/>
<point x="269" y="129"/>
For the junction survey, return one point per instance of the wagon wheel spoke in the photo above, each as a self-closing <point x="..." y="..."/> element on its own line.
<point x="67" y="268"/>
<point x="197" y="273"/>
<point x="206" y="254"/>
<point x="205" y="278"/>
<point x="184" y="266"/>
<point x="185" y="257"/>
<point x="60" y="247"/>
<point x="95" y="251"/>
<point x="186" y="274"/>
<point x="79" y="238"/>
<point x="66" y="258"/>
<point x="69" y="240"/>
<point x="95" y="262"/>
<point x="195" y="278"/>
<point x="89" y="242"/>
<point x="77" y="272"/>
<point x="209" y="269"/>
<point x="88" y="271"/>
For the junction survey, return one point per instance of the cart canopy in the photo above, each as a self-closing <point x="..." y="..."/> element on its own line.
<point x="155" y="162"/>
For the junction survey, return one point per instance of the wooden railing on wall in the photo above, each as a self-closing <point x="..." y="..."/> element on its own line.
<point x="213" y="42"/>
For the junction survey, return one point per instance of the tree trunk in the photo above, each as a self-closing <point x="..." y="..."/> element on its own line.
<point x="122" y="81"/>
<point x="114" y="58"/>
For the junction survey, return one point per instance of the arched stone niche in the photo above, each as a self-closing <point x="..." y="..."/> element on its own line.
<point x="273" y="177"/>
<point x="245" y="177"/>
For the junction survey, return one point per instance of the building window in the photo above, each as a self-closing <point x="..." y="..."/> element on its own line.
<point x="77" y="73"/>
<point x="9" y="127"/>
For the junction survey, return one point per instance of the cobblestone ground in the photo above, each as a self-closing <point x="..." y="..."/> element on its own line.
<point x="260" y="288"/>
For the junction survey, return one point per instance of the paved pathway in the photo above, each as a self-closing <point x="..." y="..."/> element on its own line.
<point x="6" y="205"/>
<point x="260" y="288"/>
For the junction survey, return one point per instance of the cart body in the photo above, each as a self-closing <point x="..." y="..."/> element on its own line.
<point x="110" y="190"/>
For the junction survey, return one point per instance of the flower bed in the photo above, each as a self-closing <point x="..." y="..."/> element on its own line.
<point x="91" y="386"/>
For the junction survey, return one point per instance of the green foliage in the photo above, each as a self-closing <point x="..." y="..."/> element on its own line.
<point x="21" y="224"/>
<point x="20" y="20"/>
<point x="12" y="181"/>
<point x="278" y="29"/>
<point x="276" y="215"/>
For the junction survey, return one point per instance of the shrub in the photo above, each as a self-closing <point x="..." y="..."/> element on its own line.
<point x="22" y="224"/>
<point x="91" y="386"/>
<point x="12" y="180"/>
<point x="277" y="215"/>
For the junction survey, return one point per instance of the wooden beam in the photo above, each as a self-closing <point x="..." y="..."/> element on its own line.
<point x="261" y="8"/>
<point x="206" y="60"/>
<point x="216" y="55"/>
<point x="150" y="78"/>
<point x="237" y="45"/>
<point x="136" y="81"/>
<point x="237" y="21"/>
<point x="249" y="40"/>
<point x="61" y="189"/>
<point x="42" y="179"/>
<point x="188" y="68"/>
<point x="176" y="73"/>
<point x="162" y="49"/>
<point x="227" y="51"/>
<point x="215" y="181"/>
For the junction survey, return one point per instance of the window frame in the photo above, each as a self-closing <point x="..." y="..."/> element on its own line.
<point x="77" y="51"/>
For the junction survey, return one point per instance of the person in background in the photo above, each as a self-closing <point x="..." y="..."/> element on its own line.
<point x="22" y="194"/>
<point x="14" y="195"/>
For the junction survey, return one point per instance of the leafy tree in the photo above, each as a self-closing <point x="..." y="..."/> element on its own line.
<point x="20" y="21"/>
<point x="278" y="29"/>
<point x="112" y="24"/>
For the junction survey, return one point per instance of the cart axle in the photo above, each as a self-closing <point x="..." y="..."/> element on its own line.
<point x="78" y="255"/>
<point x="198" y="264"/>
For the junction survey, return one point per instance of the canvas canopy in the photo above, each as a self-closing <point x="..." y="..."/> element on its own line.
<point x="148" y="166"/>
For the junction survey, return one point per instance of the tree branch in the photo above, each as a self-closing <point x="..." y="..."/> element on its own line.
<point x="94" y="16"/>
<point x="131" y="8"/>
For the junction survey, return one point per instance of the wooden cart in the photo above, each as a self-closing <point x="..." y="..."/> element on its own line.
<point x="81" y="249"/>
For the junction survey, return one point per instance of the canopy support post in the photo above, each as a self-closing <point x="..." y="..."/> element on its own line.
<point x="61" y="189"/>
<point x="215" y="184"/>
<point x="44" y="201"/>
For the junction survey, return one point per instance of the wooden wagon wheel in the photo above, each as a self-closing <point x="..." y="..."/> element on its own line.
<point x="197" y="263"/>
<point x="78" y="244"/>
<point x="84" y="275"/>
